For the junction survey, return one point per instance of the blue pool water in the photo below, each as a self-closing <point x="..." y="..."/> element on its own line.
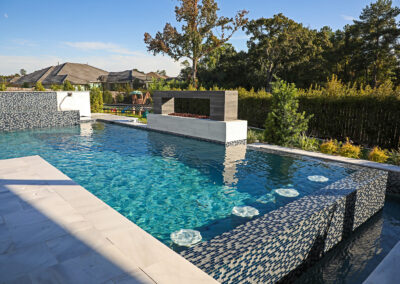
<point x="164" y="183"/>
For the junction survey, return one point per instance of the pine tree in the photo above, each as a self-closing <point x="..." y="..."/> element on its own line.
<point x="379" y="33"/>
<point x="284" y="123"/>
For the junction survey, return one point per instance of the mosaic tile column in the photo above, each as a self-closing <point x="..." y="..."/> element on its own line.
<point x="283" y="243"/>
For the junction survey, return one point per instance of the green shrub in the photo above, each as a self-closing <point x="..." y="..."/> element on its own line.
<point x="39" y="87"/>
<point x="120" y="98"/>
<point x="96" y="100"/>
<point x="3" y="87"/>
<point x="107" y="97"/>
<point x="307" y="143"/>
<point x="55" y="87"/>
<point x="67" y="86"/>
<point x="378" y="155"/>
<point x="394" y="157"/>
<point x="284" y="123"/>
<point x="329" y="147"/>
<point x="254" y="136"/>
<point x="349" y="150"/>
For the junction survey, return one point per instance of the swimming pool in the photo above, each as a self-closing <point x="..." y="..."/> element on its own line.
<point x="164" y="183"/>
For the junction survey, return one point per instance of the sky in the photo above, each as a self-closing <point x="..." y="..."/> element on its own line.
<point x="108" y="34"/>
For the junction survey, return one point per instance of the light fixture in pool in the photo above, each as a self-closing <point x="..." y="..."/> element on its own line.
<point x="245" y="211"/>
<point x="266" y="198"/>
<point x="287" y="192"/>
<point x="186" y="237"/>
<point x="318" y="178"/>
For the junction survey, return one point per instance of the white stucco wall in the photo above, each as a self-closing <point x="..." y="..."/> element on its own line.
<point x="78" y="101"/>
<point x="221" y="131"/>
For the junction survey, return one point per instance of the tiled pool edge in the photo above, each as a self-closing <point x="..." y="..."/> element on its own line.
<point x="393" y="183"/>
<point x="284" y="242"/>
<point x="33" y="189"/>
<point x="340" y="214"/>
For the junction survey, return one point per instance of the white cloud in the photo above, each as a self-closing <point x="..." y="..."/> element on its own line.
<point x="5" y="15"/>
<point x="348" y="18"/>
<point x="112" y="62"/>
<point x="12" y="64"/>
<point x="97" y="45"/>
<point x="24" y="42"/>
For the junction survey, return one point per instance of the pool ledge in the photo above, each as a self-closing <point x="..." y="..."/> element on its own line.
<point x="356" y="162"/>
<point x="54" y="231"/>
<point x="387" y="271"/>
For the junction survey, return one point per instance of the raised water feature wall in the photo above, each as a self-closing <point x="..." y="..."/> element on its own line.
<point x="24" y="110"/>
<point x="221" y="127"/>
<point x="281" y="244"/>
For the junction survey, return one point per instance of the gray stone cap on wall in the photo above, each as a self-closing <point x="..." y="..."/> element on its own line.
<point x="193" y="94"/>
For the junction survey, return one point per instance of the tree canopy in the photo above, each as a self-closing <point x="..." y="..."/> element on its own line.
<point x="364" y="52"/>
<point x="202" y="31"/>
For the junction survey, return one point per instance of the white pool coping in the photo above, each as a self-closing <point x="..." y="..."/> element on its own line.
<point x="117" y="119"/>
<point x="54" y="231"/>
<point x="340" y="159"/>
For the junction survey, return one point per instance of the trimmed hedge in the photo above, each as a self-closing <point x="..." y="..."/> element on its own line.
<point x="366" y="120"/>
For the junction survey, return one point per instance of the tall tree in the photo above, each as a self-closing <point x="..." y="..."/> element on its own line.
<point x="22" y="72"/>
<point x="276" y="45"/>
<point x="198" y="36"/>
<point x="379" y="36"/>
<point x="225" y="68"/>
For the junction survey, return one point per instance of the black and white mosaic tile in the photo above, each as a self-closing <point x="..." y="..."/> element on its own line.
<point x="284" y="242"/>
<point x="25" y="110"/>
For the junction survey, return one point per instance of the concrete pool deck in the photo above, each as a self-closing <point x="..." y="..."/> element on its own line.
<point x="117" y="119"/>
<point x="54" y="231"/>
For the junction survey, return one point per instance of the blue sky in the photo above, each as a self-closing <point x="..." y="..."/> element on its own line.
<point x="109" y="33"/>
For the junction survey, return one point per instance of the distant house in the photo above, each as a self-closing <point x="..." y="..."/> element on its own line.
<point x="131" y="78"/>
<point x="77" y="74"/>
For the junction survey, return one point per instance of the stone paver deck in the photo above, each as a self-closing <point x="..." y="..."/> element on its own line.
<point x="55" y="231"/>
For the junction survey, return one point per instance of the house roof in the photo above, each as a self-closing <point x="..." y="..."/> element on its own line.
<point x="129" y="76"/>
<point x="76" y="73"/>
<point x="156" y="75"/>
<point x="123" y="76"/>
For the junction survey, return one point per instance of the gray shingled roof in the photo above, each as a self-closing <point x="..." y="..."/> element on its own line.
<point x="76" y="73"/>
<point x="123" y="76"/>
